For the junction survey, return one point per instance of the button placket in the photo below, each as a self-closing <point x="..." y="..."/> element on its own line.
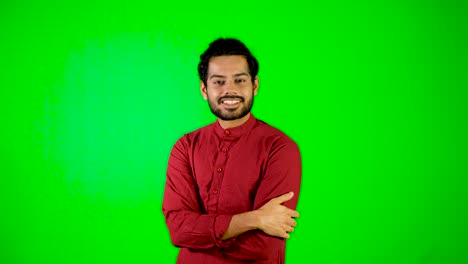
<point x="218" y="174"/>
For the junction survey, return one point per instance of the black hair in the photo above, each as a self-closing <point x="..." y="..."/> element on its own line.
<point x="226" y="46"/>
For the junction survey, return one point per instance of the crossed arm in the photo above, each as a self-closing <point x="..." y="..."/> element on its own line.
<point x="247" y="236"/>
<point x="273" y="219"/>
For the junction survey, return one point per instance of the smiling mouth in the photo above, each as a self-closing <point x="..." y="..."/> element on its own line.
<point x="230" y="102"/>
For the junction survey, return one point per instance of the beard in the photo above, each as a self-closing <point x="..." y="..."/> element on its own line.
<point x="230" y="114"/>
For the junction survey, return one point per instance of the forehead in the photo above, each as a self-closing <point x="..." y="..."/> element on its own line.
<point x="226" y="65"/>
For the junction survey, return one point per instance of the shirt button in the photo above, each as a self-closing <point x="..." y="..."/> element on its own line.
<point x="224" y="150"/>
<point x="227" y="132"/>
<point x="215" y="191"/>
<point x="220" y="169"/>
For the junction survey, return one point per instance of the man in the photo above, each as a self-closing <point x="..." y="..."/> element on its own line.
<point x="232" y="186"/>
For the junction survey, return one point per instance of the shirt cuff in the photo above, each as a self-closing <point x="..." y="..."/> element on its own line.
<point x="220" y="225"/>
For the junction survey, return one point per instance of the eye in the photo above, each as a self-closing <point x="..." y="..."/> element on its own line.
<point x="219" y="82"/>
<point x="240" y="81"/>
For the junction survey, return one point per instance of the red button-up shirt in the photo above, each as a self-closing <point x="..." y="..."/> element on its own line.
<point x="214" y="174"/>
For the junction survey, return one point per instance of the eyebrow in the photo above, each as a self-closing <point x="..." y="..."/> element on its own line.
<point x="217" y="76"/>
<point x="241" y="74"/>
<point x="223" y="76"/>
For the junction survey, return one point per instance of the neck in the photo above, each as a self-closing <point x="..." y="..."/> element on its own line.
<point x="225" y="124"/>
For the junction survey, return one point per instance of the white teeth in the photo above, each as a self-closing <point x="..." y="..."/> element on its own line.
<point x="230" y="102"/>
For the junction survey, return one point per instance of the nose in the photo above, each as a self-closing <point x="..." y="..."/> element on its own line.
<point x="231" y="87"/>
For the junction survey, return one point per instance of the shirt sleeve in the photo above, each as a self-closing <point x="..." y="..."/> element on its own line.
<point x="188" y="226"/>
<point x="282" y="175"/>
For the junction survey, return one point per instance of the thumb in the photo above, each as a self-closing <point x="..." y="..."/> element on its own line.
<point x="285" y="197"/>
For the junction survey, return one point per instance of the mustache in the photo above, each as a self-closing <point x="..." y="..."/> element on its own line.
<point x="230" y="97"/>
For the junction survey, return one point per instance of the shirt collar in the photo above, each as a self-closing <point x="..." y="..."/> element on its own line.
<point x="235" y="132"/>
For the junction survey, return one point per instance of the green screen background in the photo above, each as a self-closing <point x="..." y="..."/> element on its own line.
<point x="94" y="95"/>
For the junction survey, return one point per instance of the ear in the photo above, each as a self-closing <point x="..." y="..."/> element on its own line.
<point x="255" y="85"/>
<point x="203" y="90"/>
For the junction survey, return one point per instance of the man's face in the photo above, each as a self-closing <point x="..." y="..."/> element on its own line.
<point x="229" y="88"/>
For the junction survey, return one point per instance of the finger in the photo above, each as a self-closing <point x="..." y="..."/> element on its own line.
<point x="289" y="229"/>
<point x="283" y="198"/>
<point x="281" y="233"/>
<point x="291" y="223"/>
<point x="292" y="213"/>
<point x="284" y="235"/>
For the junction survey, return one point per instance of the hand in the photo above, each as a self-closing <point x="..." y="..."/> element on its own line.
<point x="276" y="219"/>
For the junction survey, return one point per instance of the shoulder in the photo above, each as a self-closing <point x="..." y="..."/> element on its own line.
<point x="275" y="141"/>
<point x="279" y="147"/>
<point x="190" y="138"/>
<point x="272" y="135"/>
